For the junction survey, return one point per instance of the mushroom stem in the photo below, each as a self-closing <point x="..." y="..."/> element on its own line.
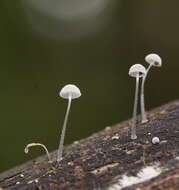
<point x="60" y="149"/>
<point x="133" y="130"/>
<point x="142" y="101"/>
<point x="26" y="150"/>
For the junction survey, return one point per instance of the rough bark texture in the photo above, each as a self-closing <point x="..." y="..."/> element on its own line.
<point x="102" y="160"/>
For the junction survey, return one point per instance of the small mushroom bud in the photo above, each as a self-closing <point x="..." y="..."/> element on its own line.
<point x="136" y="71"/>
<point x="156" y="61"/>
<point x="155" y="140"/>
<point x="67" y="92"/>
<point x="26" y="150"/>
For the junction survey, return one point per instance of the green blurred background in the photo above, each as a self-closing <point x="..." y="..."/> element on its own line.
<point x="45" y="44"/>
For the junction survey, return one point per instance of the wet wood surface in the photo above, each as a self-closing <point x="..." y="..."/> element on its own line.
<point x="102" y="160"/>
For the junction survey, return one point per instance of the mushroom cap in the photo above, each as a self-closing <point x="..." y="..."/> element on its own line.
<point x="155" y="140"/>
<point x="70" y="90"/>
<point x="137" y="70"/>
<point x="154" y="59"/>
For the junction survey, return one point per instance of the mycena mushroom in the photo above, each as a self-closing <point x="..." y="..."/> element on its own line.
<point x="69" y="92"/>
<point x="136" y="71"/>
<point x="155" y="140"/>
<point x="26" y="150"/>
<point x="156" y="61"/>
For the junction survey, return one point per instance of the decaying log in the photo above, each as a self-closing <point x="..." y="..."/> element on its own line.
<point x="110" y="159"/>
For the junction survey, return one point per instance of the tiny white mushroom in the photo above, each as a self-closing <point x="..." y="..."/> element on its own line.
<point x="136" y="71"/>
<point x="156" y="61"/>
<point x="69" y="92"/>
<point x="26" y="150"/>
<point x="155" y="140"/>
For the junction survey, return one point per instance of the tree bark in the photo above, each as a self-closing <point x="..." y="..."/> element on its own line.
<point x="110" y="159"/>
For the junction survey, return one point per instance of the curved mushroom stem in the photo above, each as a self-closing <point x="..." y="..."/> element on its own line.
<point x="142" y="102"/>
<point x="26" y="150"/>
<point x="60" y="149"/>
<point x="133" y="130"/>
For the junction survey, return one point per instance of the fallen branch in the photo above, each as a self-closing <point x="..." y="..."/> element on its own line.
<point x="110" y="159"/>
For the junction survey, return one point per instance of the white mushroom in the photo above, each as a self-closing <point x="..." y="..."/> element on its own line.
<point x="155" y="140"/>
<point x="136" y="71"/>
<point x="156" y="61"/>
<point x="68" y="92"/>
<point x="26" y="150"/>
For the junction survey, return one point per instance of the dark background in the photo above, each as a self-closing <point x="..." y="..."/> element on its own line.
<point x="45" y="44"/>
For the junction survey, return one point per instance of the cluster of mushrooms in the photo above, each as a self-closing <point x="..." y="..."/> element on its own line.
<point x="138" y="71"/>
<point x="72" y="92"/>
<point x="69" y="92"/>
